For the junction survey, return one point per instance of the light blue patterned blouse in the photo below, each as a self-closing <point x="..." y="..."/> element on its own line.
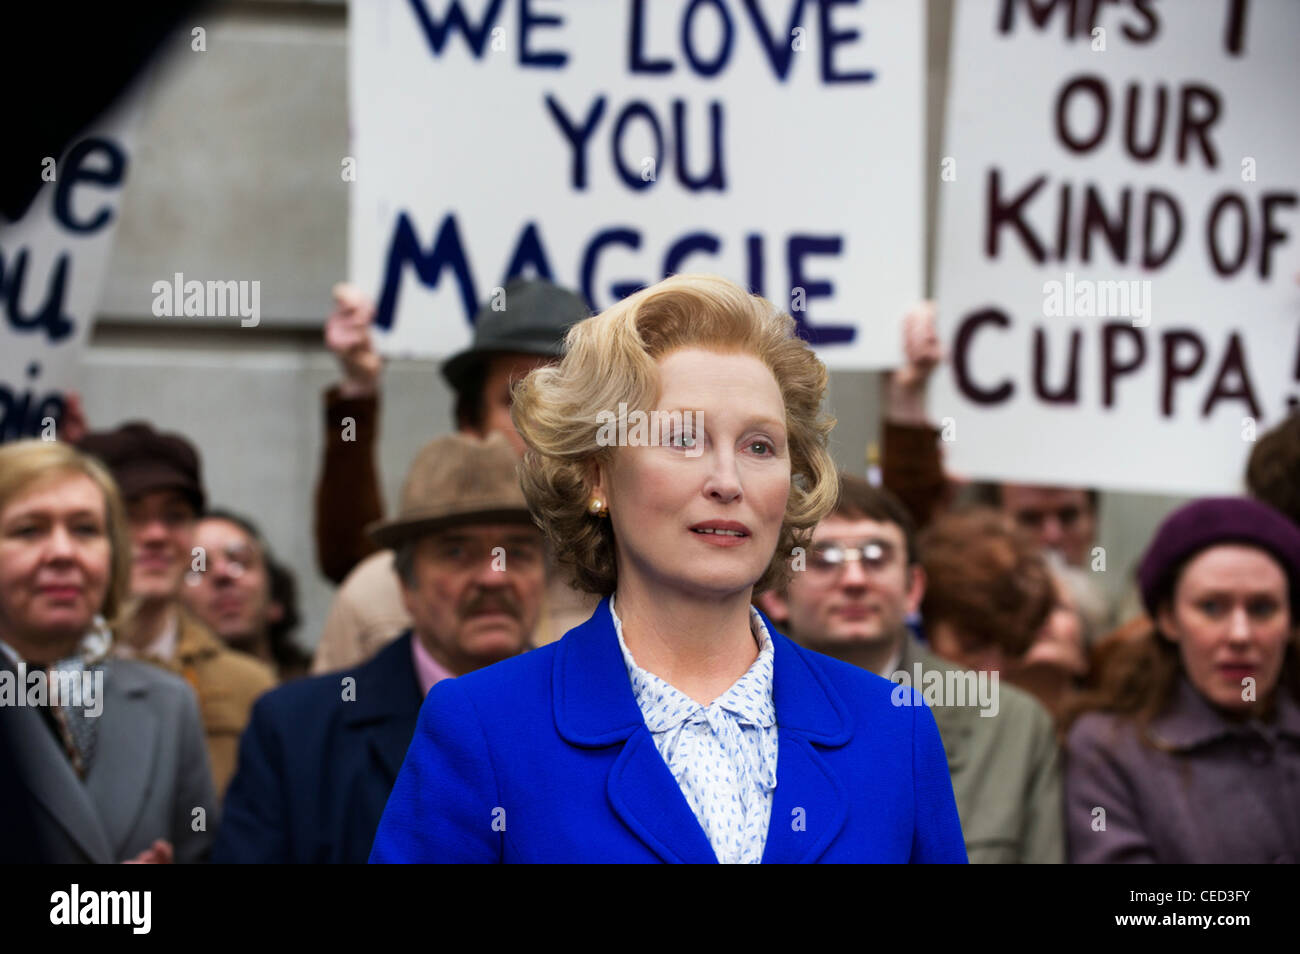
<point x="723" y="755"/>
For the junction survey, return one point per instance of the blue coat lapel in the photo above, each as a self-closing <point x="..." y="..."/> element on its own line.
<point x="595" y="708"/>
<point x="811" y="803"/>
<point x="650" y="802"/>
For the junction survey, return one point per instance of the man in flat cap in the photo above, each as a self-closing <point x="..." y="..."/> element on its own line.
<point x="162" y="487"/>
<point x="321" y="755"/>
<point x="521" y="329"/>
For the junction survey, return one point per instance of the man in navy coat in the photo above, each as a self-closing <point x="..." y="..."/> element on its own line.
<point x="320" y="756"/>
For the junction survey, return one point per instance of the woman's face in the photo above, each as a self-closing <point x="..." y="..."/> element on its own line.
<point x="703" y="520"/>
<point x="1231" y="620"/>
<point x="55" y="560"/>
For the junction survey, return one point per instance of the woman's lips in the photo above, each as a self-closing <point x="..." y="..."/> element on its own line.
<point x="1237" y="670"/>
<point x="723" y="539"/>
<point x="67" y="592"/>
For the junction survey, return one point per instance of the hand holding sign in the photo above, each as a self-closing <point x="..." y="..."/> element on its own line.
<point x="347" y="334"/>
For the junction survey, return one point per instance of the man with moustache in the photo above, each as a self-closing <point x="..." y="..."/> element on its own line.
<point x="161" y="484"/>
<point x="521" y="329"/>
<point x="321" y="755"/>
<point x="860" y="581"/>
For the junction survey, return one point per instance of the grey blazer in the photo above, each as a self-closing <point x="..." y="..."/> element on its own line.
<point x="148" y="775"/>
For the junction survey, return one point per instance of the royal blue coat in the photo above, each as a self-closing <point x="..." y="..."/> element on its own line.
<point x="546" y="758"/>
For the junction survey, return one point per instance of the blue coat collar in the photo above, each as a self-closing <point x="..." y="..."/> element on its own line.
<point x="595" y="708"/>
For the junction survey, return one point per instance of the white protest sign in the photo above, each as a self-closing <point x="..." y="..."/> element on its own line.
<point x="1120" y="241"/>
<point x="53" y="262"/>
<point x="607" y="143"/>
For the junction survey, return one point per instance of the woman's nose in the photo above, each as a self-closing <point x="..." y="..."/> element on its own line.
<point x="724" y="479"/>
<point x="61" y="544"/>
<point x="1239" y="625"/>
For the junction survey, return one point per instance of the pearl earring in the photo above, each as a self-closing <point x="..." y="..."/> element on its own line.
<point x="597" y="507"/>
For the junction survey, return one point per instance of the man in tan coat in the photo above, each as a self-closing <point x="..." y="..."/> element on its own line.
<point x="160" y="481"/>
<point x="850" y="597"/>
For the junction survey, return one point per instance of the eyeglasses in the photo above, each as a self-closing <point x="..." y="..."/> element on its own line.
<point x="827" y="559"/>
<point x="1066" y="516"/>
<point x="238" y="559"/>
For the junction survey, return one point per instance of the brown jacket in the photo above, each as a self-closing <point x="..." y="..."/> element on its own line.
<point x="347" y="496"/>
<point x="226" y="682"/>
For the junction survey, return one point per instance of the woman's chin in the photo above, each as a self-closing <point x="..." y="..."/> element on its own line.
<point x="716" y="583"/>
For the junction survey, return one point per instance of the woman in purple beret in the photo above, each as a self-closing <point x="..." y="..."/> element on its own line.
<point x="1189" y="750"/>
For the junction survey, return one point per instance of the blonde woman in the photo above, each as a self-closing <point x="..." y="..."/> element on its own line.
<point x="115" y="769"/>
<point x="677" y="458"/>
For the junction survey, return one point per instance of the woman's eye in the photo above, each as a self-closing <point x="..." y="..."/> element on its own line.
<point x="1262" y="609"/>
<point x="764" y="448"/>
<point x="1212" y="607"/>
<point x="86" y="530"/>
<point x="682" y="439"/>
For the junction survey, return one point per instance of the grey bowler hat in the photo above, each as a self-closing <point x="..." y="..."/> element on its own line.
<point x="534" y="319"/>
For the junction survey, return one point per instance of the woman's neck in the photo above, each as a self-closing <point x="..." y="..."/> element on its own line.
<point x="42" y="650"/>
<point x="700" y="645"/>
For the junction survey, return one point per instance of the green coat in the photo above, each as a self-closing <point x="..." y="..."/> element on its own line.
<point x="1006" y="770"/>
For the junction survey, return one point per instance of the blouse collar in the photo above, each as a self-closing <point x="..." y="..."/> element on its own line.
<point x="664" y="706"/>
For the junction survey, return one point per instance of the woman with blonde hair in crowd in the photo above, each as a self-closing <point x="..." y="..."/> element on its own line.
<point x="676" y="460"/>
<point x="115" y="766"/>
<point x="1188" y="749"/>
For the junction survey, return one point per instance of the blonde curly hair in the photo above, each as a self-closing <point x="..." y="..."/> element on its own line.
<point x="611" y="359"/>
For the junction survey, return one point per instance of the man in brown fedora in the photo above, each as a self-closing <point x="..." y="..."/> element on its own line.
<point x="320" y="755"/>
<point x="514" y="333"/>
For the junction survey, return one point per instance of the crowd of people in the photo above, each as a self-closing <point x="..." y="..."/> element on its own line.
<point x="718" y="647"/>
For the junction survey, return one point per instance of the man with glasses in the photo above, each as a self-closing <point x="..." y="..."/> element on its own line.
<point x="160" y="480"/>
<point x="321" y="755"/>
<point x="850" y="596"/>
<point x="244" y="594"/>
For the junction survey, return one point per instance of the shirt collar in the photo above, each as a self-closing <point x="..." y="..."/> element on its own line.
<point x="1191" y="720"/>
<point x="428" y="671"/>
<point x="162" y="648"/>
<point x="664" y="706"/>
